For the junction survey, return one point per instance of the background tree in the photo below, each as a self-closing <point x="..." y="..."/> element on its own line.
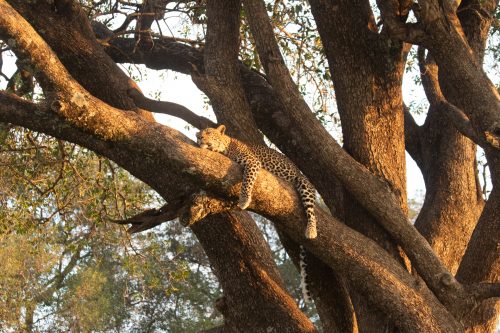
<point x="371" y="270"/>
<point x="66" y="269"/>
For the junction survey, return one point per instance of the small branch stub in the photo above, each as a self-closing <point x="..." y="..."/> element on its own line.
<point x="201" y="205"/>
<point x="493" y="136"/>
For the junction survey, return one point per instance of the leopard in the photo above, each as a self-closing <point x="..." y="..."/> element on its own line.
<point x="253" y="158"/>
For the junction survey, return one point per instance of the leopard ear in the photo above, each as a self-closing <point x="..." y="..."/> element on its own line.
<point x="221" y="129"/>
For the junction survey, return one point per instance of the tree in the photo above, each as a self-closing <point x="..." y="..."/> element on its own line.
<point x="371" y="270"/>
<point x="65" y="268"/>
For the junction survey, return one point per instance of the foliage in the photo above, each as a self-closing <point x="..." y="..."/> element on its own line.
<point x="65" y="267"/>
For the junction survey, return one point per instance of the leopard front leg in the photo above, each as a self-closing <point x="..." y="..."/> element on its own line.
<point x="250" y="171"/>
<point x="308" y="196"/>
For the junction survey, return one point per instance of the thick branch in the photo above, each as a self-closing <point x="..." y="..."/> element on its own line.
<point x="221" y="80"/>
<point x="429" y="75"/>
<point x="461" y="122"/>
<point x="65" y="27"/>
<point x="483" y="291"/>
<point x="66" y="96"/>
<point x="477" y="96"/>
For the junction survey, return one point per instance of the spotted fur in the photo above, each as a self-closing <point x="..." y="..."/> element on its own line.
<point x="253" y="158"/>
<point x="304" y="283"/>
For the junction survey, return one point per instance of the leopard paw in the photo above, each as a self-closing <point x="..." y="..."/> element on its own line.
<point x="311" y="232"/>
<point x="244" y="203"/>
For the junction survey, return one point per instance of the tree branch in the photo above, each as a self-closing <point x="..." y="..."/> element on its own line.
<point x="429" y="75"/>
<point x="461" y="122"/>
<point x="170" y="108"/>
<point x="482" y="106"/>
<point x="66" y="96"/>
<point x="412" y="137"/>
<point x="151" y="218"/>
<point x="393" y="16"/>
<point x="73" y="34"/>
<point x="221" y="80"/>
<point x="485" y="290"/>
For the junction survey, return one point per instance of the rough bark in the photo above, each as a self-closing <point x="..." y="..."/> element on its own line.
<point x="221" y="79"/>
<point x="110" y="83"/>
<point x="248" y="274"/>
<point x="328" y="289"/>
<point x="448" y="164"/>
<point x="484" y="244"/>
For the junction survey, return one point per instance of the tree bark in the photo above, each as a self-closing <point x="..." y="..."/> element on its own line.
<point x="110" y="83"/>
<point x="248" y="276"/>
<point x="221" y="80"/>
<point x="448" y="164"/>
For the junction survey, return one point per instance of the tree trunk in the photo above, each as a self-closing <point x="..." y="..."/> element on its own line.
<point x="370" y="106"/>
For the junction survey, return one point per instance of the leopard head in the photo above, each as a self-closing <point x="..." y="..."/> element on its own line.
<point x="213" y="139"/>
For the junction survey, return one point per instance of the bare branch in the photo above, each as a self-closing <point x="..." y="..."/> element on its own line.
<point x="485" y="290"/>
<point x="152" y="217"/>
<point x="170" y="108"/>
<point x="412" y="136"/>
<point x="429" y="75"/>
